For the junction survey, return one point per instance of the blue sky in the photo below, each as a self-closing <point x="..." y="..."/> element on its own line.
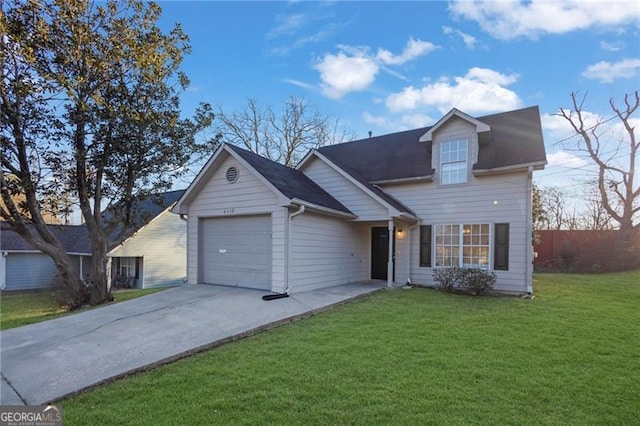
<point x="390" y="66"/>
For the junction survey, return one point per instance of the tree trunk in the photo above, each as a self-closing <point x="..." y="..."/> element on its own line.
<point x="100" y="292"/>
<point x="75" y="293"/>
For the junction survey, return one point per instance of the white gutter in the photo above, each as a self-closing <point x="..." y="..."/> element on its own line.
<point x="321" y="209"/>
<point x="538" y="165"/>
<point x="298" y="212"/>
<point x="425" y="178"/>
<point x="529" y="229"/>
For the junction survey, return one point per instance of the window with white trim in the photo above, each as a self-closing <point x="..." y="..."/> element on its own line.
<point x="464" y="245"/>
<point x="453" y="162"/>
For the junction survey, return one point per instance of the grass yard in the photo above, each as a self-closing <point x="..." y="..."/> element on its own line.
<point x="570" y="356"/>
<point x="24" y="308"/>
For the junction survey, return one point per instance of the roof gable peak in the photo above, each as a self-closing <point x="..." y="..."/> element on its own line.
<point x="480" y="126"/>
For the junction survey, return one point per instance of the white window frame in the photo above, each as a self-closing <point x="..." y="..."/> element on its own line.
<point x="452" y="163"/>
<point x="454" y="236"/>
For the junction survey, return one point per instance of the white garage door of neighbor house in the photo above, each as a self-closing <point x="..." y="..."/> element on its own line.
<point x="237" y="251"/>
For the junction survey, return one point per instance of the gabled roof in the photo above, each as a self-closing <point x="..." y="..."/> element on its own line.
<point x="74" y="238"/>
<point x="292" y="183"/>
<point x="481" y="127"/>
<point x="373" y="189"/>
<point x="145" y="209"/>
<point x="516" y="139"/>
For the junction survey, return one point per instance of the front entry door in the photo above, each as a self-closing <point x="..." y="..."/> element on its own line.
<point x="380" y="253"/>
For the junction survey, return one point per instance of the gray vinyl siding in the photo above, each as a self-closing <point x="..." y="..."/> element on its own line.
<point x="163" y="246"/>
<point x="402" y="252"/>
<point x="495" y="199"/>
<point x="343" y="190"/>
<point x="500" y="198"/>
<point x="33" y="271"/>
<point x="247" y="196"/>
<point x="29" y="271"/>
<point x="326" y="251"/>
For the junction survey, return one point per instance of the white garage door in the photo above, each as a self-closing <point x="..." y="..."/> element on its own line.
<point x="237" y="251"/>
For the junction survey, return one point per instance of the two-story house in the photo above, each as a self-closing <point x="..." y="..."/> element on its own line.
<point x="390" y="207"/>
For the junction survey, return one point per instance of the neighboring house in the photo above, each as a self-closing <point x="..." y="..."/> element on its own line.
<point x="24" y="268"/>
<point x="153" y="253"/>
<point x="391" y="207"/>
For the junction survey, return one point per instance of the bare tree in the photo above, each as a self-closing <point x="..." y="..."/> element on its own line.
<point x="595" y="216"/>
<point x="283" y="136"/>
<point x="554" y="205"/>
<point x="617" y="184"/>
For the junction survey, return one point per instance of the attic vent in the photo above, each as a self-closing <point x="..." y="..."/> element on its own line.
<point x="232" y="174"/>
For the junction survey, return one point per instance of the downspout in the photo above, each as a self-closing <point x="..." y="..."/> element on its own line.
<point x="529" y="231"/>
<point x="298" y="212"/>
<point x="3" y="270"/>
<point x="185" y="218"/>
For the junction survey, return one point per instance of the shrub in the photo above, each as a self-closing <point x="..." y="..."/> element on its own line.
<point x="446" y="278"/>
<point x="472" y="280"/>
<point x="477" y="281"/>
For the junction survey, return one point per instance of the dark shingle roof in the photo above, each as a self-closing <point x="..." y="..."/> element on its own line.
<point x="516" y="138"/>
<point x="290" y="182"/>
<point x="74" y="238"/>
<point x="393" y="156"/>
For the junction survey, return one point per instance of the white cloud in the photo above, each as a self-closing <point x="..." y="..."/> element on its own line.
<point x="405" y="122"/>
<point x="613" y="46"/>
<point x="287" y="24"/>
<point x="606" y="72"/>
<point x="565" y="159"/>
<point x="469" y="40"/>
<point x="481" y="90"/>
<point x="412" y="50"/>
<point x="342" y="74"/>
<point x="507" y="20"/>
<point x="558" y="130"/>
<point x="299" y="83"/>
<point x="354" y="68"/>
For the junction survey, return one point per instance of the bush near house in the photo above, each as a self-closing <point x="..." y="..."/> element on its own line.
<point x="470" y="280"/>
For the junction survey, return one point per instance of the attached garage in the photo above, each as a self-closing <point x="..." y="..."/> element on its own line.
<point x="236" y="251"/>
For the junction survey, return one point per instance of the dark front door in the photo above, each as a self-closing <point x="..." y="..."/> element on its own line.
<point x="380" y="253"/>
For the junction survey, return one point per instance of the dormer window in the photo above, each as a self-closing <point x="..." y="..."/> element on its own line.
<point x="453" y="161"/>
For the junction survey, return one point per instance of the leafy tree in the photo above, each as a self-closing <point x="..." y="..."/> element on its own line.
<point x="90" y="102"/>
<point x="284" y="137"/>
<point x="617" y="184"/>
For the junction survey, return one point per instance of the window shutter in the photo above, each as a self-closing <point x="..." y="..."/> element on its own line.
<point x="425" y="246"/>
<point x="501" y="247"/>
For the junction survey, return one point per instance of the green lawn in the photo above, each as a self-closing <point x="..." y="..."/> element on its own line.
<point x="24" y="308"/>
<point x="569" y="356"/>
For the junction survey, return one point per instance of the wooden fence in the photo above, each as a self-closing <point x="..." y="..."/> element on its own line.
<point x="584" y="251"/>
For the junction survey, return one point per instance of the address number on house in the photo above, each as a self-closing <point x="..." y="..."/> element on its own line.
<point x="228" y="211"/>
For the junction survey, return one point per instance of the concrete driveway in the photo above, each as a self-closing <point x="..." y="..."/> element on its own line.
<point x="44" y="362"/>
